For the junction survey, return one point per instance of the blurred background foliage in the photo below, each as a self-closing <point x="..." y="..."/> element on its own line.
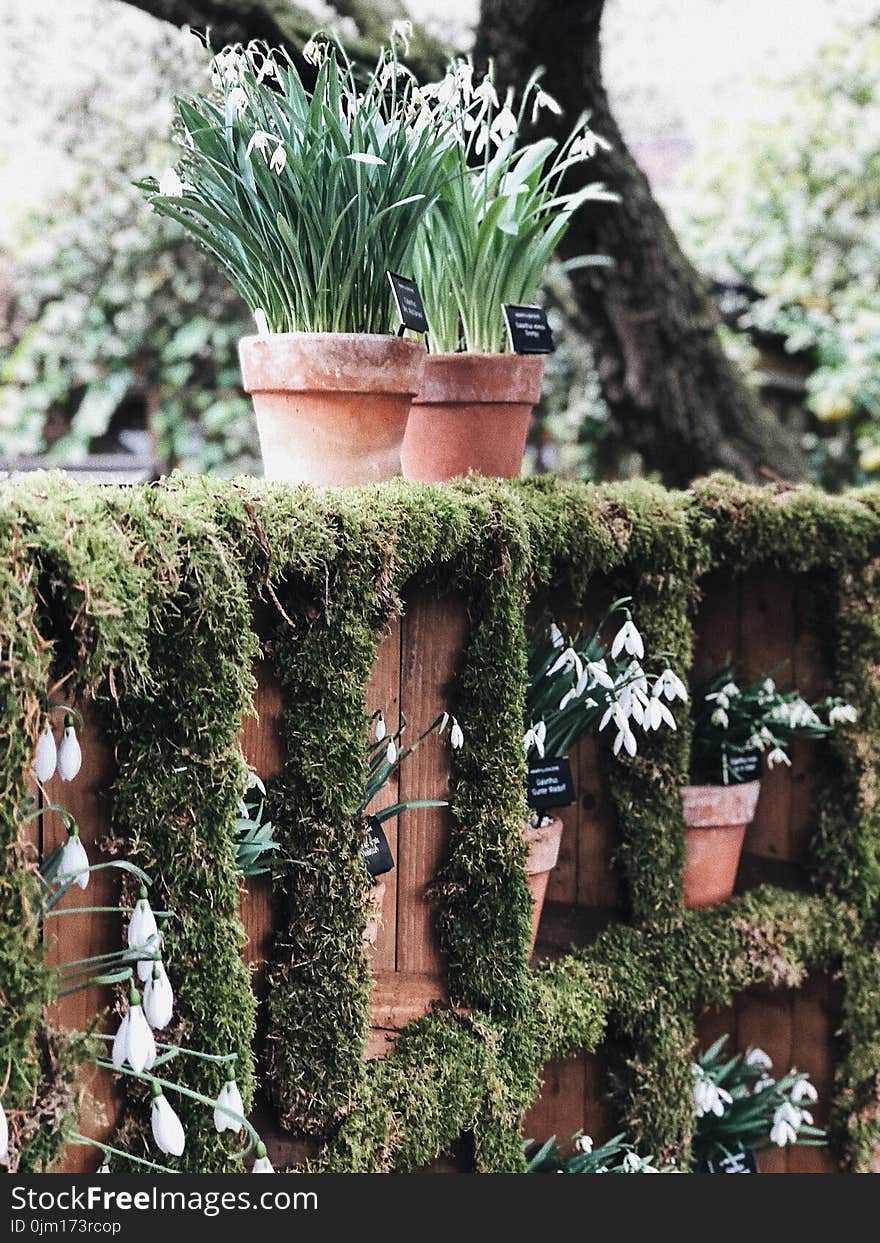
<point x="116" y="334"/>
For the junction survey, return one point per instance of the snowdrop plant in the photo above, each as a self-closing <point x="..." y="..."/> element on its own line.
<point x="387" y="752"/>
<point x="255" y="845"/>
<point x="584" y="685"/>
<point x="740" y="1107"/>
<point x="733" y="720"/>
<point x="305" y="194"/>
<point x="64" y="758"/>
<point x="502" y="210"/>
<point x="616" y="1156"/>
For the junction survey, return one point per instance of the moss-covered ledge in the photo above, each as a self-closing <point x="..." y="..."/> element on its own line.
<point x="145" y="598"/>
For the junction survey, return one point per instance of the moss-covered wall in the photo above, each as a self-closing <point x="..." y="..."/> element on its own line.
<point x="146" y="596"/>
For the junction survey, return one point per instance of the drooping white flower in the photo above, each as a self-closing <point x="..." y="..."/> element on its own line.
<point x="599" y="675"/>
<point x="569" y="660"/>
<point x="313" y="52"/>
<point x="631" y="1163"/>
<point x="670" y="686"/>
<point x="556" y="636"/>
<point x="69" y="752"/>
<point x="402" y="30"/>
<point x="768" y="686"/>
<point x="143" y="933"/>
<point x="628" y="640"/>
<point x="842" y="714"/>
<point x="757" y="1057"/>
<point x="228" y="1098"/>
<point x="170" y="185"/>
<point x="534" y="737"/>
<point x="584" y="1143"/>
<point x="278" y="160"/>
<point x="158" y="997"/>
<point x="379" y="729"/>
<point x="259" y="140"/>
<point x="4" y="1134"/>
<point x="625" y="740"/>
<point x="504" y="125"/>
<point x="237" y="99"/>
<point x="262" y="1165"/>
<point x="134" y="1042"/>
<point x="766" y="1081"/>
<point x="456" y="736"/>
<point x="103" y="1169"/>
<point x="786" y="1121"/>
<point x="543" y="100"/>
<point x="657" y="714"/>
<point x="46" y="755"/>
<point x="731" y="690"/>
<point x="709" y="1098"/>
<point x="720" y="718"/>
<point x="778" y="756"/>
<point x="167" y="1127"/>
<point x="391" y="751"/>
<point x="74" y="860"/>
<point x="803" y="1090"/>
<point x="485" y="93"/>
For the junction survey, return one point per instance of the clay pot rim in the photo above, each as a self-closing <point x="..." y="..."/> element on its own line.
<point x="547" y="837"/>
<point x="341" y="362"/>
<point x="482" y="379"/>
<point x="720" y="806"/>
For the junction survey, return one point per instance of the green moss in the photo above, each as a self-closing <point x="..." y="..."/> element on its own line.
<point x="146" y="597"/>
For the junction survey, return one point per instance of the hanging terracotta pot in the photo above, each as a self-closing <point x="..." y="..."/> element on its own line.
<point x="331" y="407"/>
<point x="472" y="413"/>
<point x="716" y="818"/>
<point x="543" y="847"/>
<point x="375" y="900"/>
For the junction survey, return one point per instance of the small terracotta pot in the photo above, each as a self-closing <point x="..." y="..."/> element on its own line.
<point x="472" y="413"/>
<point x="375" y="899"/>
<point x="716" y="818"/>
<point x="543" y="845"/>
<point x="331" y="407"/>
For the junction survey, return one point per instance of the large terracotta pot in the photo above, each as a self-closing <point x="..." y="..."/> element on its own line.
<point x="331" y="407"/>
<point x="543" y="846"/>
<point x="472" y="413"/>
<point x="716" y="818"/>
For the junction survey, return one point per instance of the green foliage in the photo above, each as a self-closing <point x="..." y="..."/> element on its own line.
<point x="789" y="203"/>
<point x="615" y="1156"/>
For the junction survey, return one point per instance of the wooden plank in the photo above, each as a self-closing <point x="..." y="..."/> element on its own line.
<point x="598" y="881"/>
<point x="383" y="692"/>
<point x="70" y="937"/>
<point x="599" y="1121"/>
<point x="559" y="1108"/>
<point x="765" y="1020"/>
<point x="810" y="676"/>
<point x="814" y="1019"/>
<point x="433" y="636"/>
<point x="717" y="624"/>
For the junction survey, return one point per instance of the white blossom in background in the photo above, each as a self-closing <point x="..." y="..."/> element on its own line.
<point x="720" y="718"/>
<point x="228" y="1098"/>
<point x="278" y="160"/>
<point x="803" y="1090"/>
<point x="786" y="1121"/>
<point x="391" y="751"/>
<point x="46" y="755"/>
<point x="670" y="686"/>
<point x="556" y="637"/>
<point x="4" y="1134"/>
<point x="757" y="1057"/>
<point x="134" y="1042"/>
<point x="74" y="860"/>
<point x="778" y="756"/>
<point x="260" y="140"/>
<point x="584" y="1143"/>
<point x="142" y="932"/>
<point x="709" y="1098"/>
<point x="543" y="100"/>
<point x="599" y="675"/>
<point x="632" y="1163"/>
<point x="628" y="640"/>
<point x="167" y="1127"/>
<point x="69" y="752"/>
<point x="456" y="736"/>
<point x="262" y="1165"/>
<point x="534" y="738"/>
<point x="842" y="714"/>
<point x="379" y="729"/>
<point x="158" y="997"/>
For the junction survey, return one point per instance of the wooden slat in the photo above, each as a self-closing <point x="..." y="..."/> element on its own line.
<point x="559" y="1109"/>
<point x="814" y="1019"/>
<point x="809" y="675"/>
<point x="717" y="624"/>
<point x="765" y="1020"/>
<point x="433" y="636"/>
<point x="383" y="692"/>
<point x="598" y="879"/>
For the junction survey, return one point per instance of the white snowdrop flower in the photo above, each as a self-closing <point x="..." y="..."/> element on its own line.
<point x="142" y="932"/>
<point x="402" y="30"/>
<point x="134" y="1042"/>
<point x="543" y="100"/>
<point x="556" y="637"/>
<point x="534" y="737"/>
<point x="74" y="860"/>
<point x="167" y="1127"/>
<point x="658" y="714"/>
<point x="456" y="736"/>
<point x="598" y="671"/>
<point x="170" y="185"/>
<point x="278" y="160"/>
<point x="379" y="729"/>
<point x="313" y="52"/>
<point x="103" y="1169"/>
<point x="788" y="1113"/>
<point x="364" y="157"/>
<point x="709" y="1098"/>
<point x="569" y="660"/>
<point x="259" y="141"/>
<point x="615" y="712"/>
<point x="631" y="1163"/>
<point x="766" y="1081"/>
<point x="262" y="1165"/>
<point x="504" y="125"/>
<point x="803" y="1090"/>
<point x="69" y="752"/>
<point x="46" y="755"/>
<point x="237" y="99"/>
<point x="584" y="1143"/>
<point x="628" y="640"/>
<point x="777" y="756"/>
<point x="158" y="997"/>
<point x="567" y="699"/>
<point x="228" y="1098"/>
<point x="842" y="714"/>
<point x="768" y="686"/>
<point x="391" y="751"/>
<point x="781" y="1134"/>
<point x="4" y="1134"/>
<point x="625" y="740"/>
<point x="731" y="690"/>
<point x="719" y="698"/>
<point x="757" y="1057"/>
<point x="719" y="717"/>
<point x="670" y="686"/>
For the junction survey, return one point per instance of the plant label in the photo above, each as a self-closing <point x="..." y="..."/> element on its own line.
<point x="528" y="329"/>
<point x="376" y="853"/>
<point x="738" y="768"/>
<point x="550" y="784"/>
<point x="409" y="303"/>
<point x="731" y="1163"/>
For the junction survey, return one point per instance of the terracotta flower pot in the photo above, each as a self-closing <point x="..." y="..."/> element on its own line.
<point x="375" y="899"/>
<point x="331" y="407"/>
<point x="543" y="845"/>
<point x="472" y="413"/>
<point x="716" y="819"/>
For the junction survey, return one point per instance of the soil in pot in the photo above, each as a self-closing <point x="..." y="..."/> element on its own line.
<point x="716" y="818"/>
<point x="331" y="408"/>
<point x="472" y="413"/>
<point x="543" y="846"/>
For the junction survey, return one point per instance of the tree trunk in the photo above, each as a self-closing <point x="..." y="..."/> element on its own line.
<point x="673" y="395"/>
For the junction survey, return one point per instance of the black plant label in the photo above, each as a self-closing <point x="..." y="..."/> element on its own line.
<point x="409" y="303"/>
<point x="550" y="784"/>
<point x="736" y="769"/>
<point x="730" y="1163"/>
<point x="528" y="329"/>
<point x="376" y="853"/>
